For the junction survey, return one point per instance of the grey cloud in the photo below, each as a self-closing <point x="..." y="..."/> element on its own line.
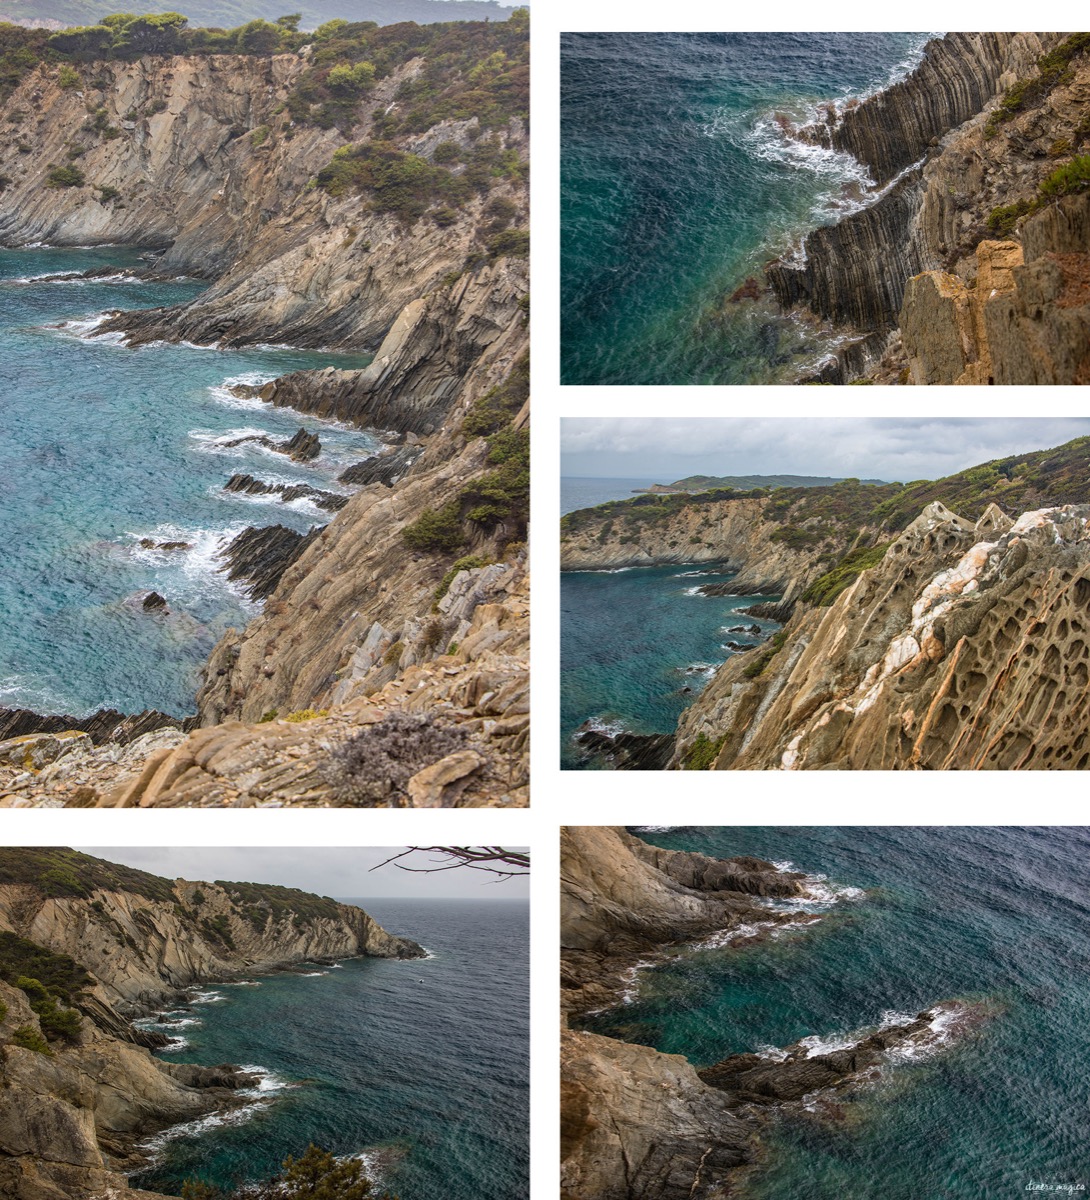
<point x="884" y="448"/>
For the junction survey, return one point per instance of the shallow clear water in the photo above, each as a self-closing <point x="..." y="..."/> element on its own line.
<point x="633" y="640"/>
<point x="422" y="1065"/>
<point x="999" y="915"/>
<point x="106" y="445"/>
<point x="678" y="184"/>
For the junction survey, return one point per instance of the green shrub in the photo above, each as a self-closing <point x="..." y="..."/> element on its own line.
<point x="1071" y="177"/>
<point x="702" y="754"/>
<point x="259" y="136"/>
<point x="438" y="530"/>
<point x="495" y="408"/>
<point x="1002" y="220"/>
<point x="65" y="177"/>
<point x="30" y="1039"/>
<point x="509" y="243"/>
<point x="446" y="152"/>
<point x="107" y="195"/>
<point x="825" y="589"/>
<point x="69" y="77"/>
<point x="393" y="654"/>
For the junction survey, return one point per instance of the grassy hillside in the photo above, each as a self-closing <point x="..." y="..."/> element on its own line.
<point x="851" y="522"/>
<point x="702" y="482"/>
<point x="227" y="13"/>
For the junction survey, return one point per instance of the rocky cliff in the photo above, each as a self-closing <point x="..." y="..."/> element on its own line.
<point x="915" y="637"/>
<point x="395" y="228"/>
<point x="637" y="1123"/>
<point x="80" y="1088"/>
<point x="987" y="129"/>
<point x="964" y="648"/>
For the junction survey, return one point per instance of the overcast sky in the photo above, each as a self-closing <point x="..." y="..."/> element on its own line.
<point x="899" y="449"/>
<point x="340" y="872"/>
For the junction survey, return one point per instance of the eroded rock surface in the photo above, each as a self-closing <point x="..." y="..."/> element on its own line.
<point x="967" y="647"/>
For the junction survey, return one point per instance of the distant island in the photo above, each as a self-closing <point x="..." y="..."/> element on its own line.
<point x="746" y="483"/>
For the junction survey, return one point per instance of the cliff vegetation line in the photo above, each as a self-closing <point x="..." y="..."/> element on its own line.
<point x="360" y="188"/>
<point x="930" y="625"/>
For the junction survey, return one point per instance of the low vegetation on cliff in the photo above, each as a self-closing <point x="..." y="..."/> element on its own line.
<point x="851" y="523"/>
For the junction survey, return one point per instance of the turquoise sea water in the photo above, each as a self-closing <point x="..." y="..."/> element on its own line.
<point x="105" y="445"/>
<point x="633" y="640"/>
<point x="996" y="915"/>
<point x="420" y="1065"/>
<point x="678" y="184"/>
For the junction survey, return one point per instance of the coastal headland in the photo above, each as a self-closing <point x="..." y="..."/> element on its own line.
<point x="934" y="625"/>
<point x="359" y="189"/>
<point x="87" y="947"/>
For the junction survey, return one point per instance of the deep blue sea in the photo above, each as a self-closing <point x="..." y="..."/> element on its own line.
<point x="587" y="491"/>
<point x="678" y="184"/>
<point x="104" y="446"/>
<point x="422" y="1066"/>
<point x="995" y="915"/>
<point x="637" y="646"/>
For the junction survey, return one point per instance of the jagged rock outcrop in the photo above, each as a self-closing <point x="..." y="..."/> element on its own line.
<point x="943" y="168"/>
<point x="622" y="899"/>
<point x="637" y="1123"/>
<point x="330" y="501"/>
<point x="965" y="648"/>
<point x="72" y="1110"/>
<point x="260" y="556"/>
<point x="106" y="725"/>
<point x="1026" y="317"/>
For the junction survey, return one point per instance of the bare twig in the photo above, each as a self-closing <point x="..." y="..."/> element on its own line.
<point x="495" y="860"/>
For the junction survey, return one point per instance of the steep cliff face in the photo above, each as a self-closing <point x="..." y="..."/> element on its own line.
<point x="945" y="165"/>
<point x="965" y="648"/>
<point x="221" y="179"/>
<point x="214" y="168"/>
<point x="734" y="533"/>
<point x="115" y="941"/>
<point x="637" y="1123"/>
<point x="1023" y="318"/>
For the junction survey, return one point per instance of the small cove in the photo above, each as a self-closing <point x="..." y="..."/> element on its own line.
<point x="108" y="446"/>
<point x="633" y="641"/>
<point x="421" y="1066"/>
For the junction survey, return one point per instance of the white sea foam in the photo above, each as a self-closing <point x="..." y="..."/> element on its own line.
<point x="312" y="974"/>
<point x="203" y="997"/>
<point x="826" y="1044"/>
<point x="610" y="726"/>
<point x="222" y="393"/>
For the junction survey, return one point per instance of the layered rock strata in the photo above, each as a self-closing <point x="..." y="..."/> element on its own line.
<point x="967" y="647"/>
<point x="73" y="1111"/>
<point x="637" y="1123"/>
<point x="355" y="625"/>
<point x="942" y="168"/>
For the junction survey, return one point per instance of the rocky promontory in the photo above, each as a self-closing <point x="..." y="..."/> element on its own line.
<point x="80" y="1086"/>
<point x="967" y="263"/>
<point x="637" y="1123"/>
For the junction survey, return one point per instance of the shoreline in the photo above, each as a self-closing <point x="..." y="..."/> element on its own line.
<point x="676" y="1130"/>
